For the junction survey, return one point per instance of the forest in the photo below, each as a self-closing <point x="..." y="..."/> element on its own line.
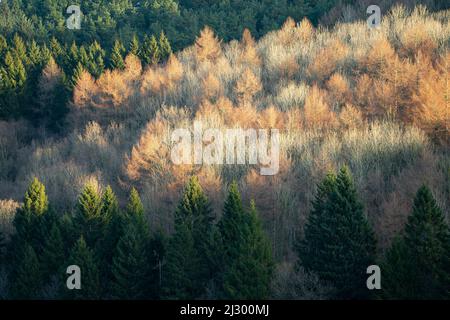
<point x="87" y="178"/>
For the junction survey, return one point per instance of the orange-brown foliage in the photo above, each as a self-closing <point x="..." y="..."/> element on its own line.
<point x="316" y="110"/>
<point x="247" y="86"/>
<point x="351" y="117"/>
<point x="249" y="55"/>
<point x="305" y="30"/>
<point x="84" y="90"/>
<point x="327" y="60"/>
<point x="207" y="46"/>
<point x="433" y="101"/>
<point x="212" y="87"/>
<point x="338" y="90"/>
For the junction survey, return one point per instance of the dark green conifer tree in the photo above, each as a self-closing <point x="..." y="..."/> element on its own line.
<point x="339" y="243"/>
<point x="134" y="46"/>
<point x="418" y="264"/>
<point x="75" y="75"/>
<point x="134" y="206"/>
<point x="181" y="264"/>
<point x="249" y="274"/>
<point x="116" y="59"/>
<point x="88" y="219"/>
<point x="164" y="46"/>
<point x="149" y="52"/>
<point x="130" y="267"/>
<point x="82" y="256"/>
<point x="26" y="277"/>
<point x="231" y="227"/>
<point x="53" y="257"/>
<point x="29" y="221"/>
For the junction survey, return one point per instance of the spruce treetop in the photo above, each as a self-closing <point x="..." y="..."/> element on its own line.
<point x="134" y="206"/>
<point x="35" y="201"/>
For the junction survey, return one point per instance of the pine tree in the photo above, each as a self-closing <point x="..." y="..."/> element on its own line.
<point x="52" y="257"/>
<point x="55" y="48"/>
<point x="20" y="49"/>
<point x="96" y="59"/>
<point x="88" y="219"/>
<point x="149" y="52"/>
<point x="79" y="69"/>
<point x="195" y="210"/>
<point x="249" y="275"/>
<point x="420" y="259"/>
<point x="82" y="256"/>
<point x="111" y="229"/>
<point x="316" y="226"/>
<point x="68" y="231"/>
<point x="156" y="245"/>
<point x="25" y="278"/>
<point x="164" y="47"/>
<point x="339" y="243"/>
<point x="181" y="263"/>
<point x="231" y="227"/>
<point x="34" y="54"/>
<point x="134" y="46"/>
<point x="134" y="206"/>
<point x="110" y="205"/>
<point x="193" y="236"/>
<point x="29" y="221"/>
<point x="130" y="267"/>
<point x="116" y="60"/>
<point x="3" y="45"/>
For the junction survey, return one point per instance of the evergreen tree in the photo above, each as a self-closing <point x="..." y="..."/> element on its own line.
<point x="68" y="231"/>
<point x="195" y="210"/>
<point x="20" y="49"/>
<point x="181" y="264"/>
<point x="231" y="227"/>
<point x="110" y="205"/>
<point x="29" y="221"/>
<point x="339" y="244"/>
<point x="76" y="75"/>
<point x="88" y="219"/>
<point x="130" y="267"/>
<point x="52" y="257"/>
<point x="3" y="45"/>
<point x="134" y="206"/>
<point x="317" y="226"/>
<point x="249" y="275"/>
<point x="418" y="264"/>
<point x="34" y="54"/>
<point x="83" y="257"/>
<point x="194" y="220"/>
<point x="55" y="48"/>
<point x="149" y="52"/>
<point x="111" y="229"/>
<point x="96" y="56"/>
<point x="116" y="60"/>
<point x="134" y="46"/>
<point x="25" y="277"/>
<point x="164" y="47"/>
